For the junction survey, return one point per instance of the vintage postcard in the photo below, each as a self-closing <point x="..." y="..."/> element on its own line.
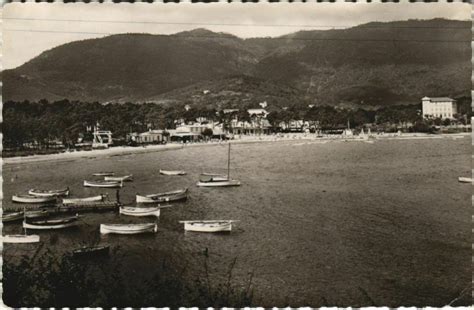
<point x="236" y="155"/>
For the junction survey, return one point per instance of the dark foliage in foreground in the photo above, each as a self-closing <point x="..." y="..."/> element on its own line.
<point x="48" y="281"/>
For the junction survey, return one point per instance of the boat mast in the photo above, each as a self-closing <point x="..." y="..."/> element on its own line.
<point x="228" y="164"/>
<point x="24" y="220"/>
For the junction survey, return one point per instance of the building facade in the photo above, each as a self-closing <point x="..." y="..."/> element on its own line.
<point x="151" y="136"/>
<point x="438" y="107"/>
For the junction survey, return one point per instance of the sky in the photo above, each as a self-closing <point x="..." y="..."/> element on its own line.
<point x="31" y="28"/>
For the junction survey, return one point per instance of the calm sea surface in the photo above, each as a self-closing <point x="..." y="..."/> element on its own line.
<point x="341" y="223"/>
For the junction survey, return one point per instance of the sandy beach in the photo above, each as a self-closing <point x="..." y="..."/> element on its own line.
<point x="127" y="150"/>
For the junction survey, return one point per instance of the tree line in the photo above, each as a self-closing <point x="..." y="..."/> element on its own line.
<point x="65" y="121"/>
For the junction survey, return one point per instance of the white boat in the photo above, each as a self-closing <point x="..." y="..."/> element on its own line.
<point x="11" y="217"/>
<point x="128" y="229"/>
<point x="222" y="183"/>
<point x="106" y="184"/>
<point x="216" y="180"/>
<point x="208" y="177"/>
<point x="49" y="193"/>
<point x="465" y="180"/>
<point x="103" y="174"/>
<point x="172" y="172"/>
<point x="32" y="199"/>
<point x="20" y="238"/>
<point x="146" y="211"/>
<point x="163" y="197"/>
<point x="97" y="198"/>
<point x="51" y="224"/>
<point x="208" y="226"/>
<point x="120" y="179"/>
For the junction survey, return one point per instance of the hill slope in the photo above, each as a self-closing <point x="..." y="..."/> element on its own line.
<point x="372" y="64"/>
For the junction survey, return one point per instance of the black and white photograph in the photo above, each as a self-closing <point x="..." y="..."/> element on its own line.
<point x="228" y="154"/>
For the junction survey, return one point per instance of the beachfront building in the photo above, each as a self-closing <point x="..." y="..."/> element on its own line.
<point x="438" y="107"/>
<point x="194" y="132"/>
<point x="101" y="139"/>
<point x="295" y="126"/>
<point x="253" y="127"/>
<point x="150" y="136"/>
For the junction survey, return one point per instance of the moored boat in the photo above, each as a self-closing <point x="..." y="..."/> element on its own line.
<point x="51" y="224"/>
<point x="97" y="198"/>
<point x="465" y="180"/>
<point x="103" y="174"/>
<point x="145" y="211"/>
<point x="99" y="250"/>
<point x="163" y="197"/>
<point x="103" y="184"/>
<point x="208" y="177"/>
<point x="216" y="180"/>
<point x="32" y="199"/>
<point x="124" y="178"/>
<point x="208" y="225"/>
<point x="20" y="238"/>
<point x="220" y="183"/>
<point x="128" y="229"/>
<point x="11" y="217"/>
<point x="172" y="172"/>
<point x="49" y="193"/>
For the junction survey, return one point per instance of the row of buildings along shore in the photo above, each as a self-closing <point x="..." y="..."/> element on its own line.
<point x="256" y="124"/>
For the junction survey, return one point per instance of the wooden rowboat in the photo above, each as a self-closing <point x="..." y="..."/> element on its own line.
<point x="32" y="199"/>
<point x="221" y="183"/>
<point x="103" y="184"/>
<point x="49" y="193"/>
<point x="163" y="197"/>
<point x="20" y="238"/>
<point x="465" y="180"/>
<point x="48" y="227"/>
<point x="145" y="211"/>
<point x="120" y="179"/>
<point x="128" y="229"/>
<point x="208" y="226"/>
<point x="97" y="198"/>
<point x="11" y="217"/>
<point x="56" y="221"/>
<point x="103" y="174"/>
<point x="172" y="172"/>
<point x="100" y="250"/>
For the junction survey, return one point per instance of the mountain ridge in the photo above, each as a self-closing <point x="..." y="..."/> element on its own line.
<point x="371" y="64"/>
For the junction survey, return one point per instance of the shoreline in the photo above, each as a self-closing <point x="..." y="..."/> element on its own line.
<point x="128" y="150"/>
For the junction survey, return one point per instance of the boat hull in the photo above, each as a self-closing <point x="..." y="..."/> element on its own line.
<point x="98" y="198"/>
<point x="225" y="183"/>
<point x="32" y="199"/>
<point x="465" y="180"/>
<point x="163" y="197"/>
<point x="48" y="226"/>
<point x="125" y="178"/>
<point x="48" y="193"/>
<point x="208" y="227"/>
<point x="6" y="218"/>
<point x="128" y="229"/>
<point x="20" y="238"/>
<point x="103" y="174"/>
<point x="107" y="184"/>
<point x="171" y="172"/>
<point x="140" y="211"/>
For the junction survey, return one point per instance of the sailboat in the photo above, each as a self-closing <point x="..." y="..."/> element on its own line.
<point x="210" y="180"/>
